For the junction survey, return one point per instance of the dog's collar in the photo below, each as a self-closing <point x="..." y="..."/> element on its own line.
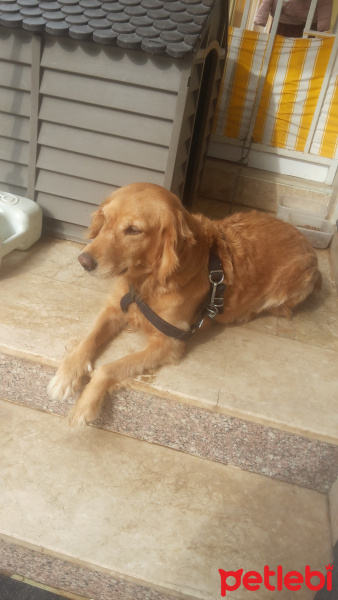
<point x="211" y="308"/>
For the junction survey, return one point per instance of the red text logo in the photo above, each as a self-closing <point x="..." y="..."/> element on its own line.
<point x="275" y="580"/>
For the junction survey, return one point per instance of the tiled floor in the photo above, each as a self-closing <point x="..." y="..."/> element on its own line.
<point x="160" y="514"/>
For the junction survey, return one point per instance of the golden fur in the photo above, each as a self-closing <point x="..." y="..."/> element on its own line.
<point x="142" y="235"/>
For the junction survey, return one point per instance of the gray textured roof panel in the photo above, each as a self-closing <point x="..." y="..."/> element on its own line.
<point x="171" y="27"/>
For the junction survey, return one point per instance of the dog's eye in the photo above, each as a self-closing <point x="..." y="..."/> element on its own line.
<point x="131" y="230"/>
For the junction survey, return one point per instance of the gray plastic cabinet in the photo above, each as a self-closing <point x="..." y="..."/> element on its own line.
<point x="96" y="95"/>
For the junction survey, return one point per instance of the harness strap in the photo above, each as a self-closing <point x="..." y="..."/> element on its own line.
<point x="212" y="307"/>
<point x="153" y="318"/>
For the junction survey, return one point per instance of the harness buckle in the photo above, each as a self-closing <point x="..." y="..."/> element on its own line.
<point x="216" y="301"/>
<point x="219" y="302"/>
<point x="216" y="277"/>
<point x="212" y="312"/>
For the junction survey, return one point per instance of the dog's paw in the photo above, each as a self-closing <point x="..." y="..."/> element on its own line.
<point x="57" y="390"/>
<point x="81" y="415"/>
<point x="76" y="419"/>
<point x="67" y="382"/>
<point x="88" y="405"/>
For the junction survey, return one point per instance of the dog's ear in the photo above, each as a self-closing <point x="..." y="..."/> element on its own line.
<point x="97" y="221"/>
<point x="174" y="235"/>
<point x="95" y="225"/>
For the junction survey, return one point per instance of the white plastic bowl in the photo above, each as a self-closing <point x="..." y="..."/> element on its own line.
<point x="318" y="231"/>
<point x="20" y="223"/>
<point x="299" y="204"/>
<point x="309" y="216"/>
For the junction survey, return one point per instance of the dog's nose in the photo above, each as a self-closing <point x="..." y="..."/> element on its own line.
<point x="87" y="261"/>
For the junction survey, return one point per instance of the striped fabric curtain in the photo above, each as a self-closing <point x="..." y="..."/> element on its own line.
<point x="242" y="70"/>
<point x="293" y="82"/>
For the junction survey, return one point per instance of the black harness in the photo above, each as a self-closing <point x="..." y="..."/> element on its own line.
<point x="211" y="308"/>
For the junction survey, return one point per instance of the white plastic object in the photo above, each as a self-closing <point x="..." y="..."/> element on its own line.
<point x="309" y="216"/>
<point x="318" y="231"/>
<point x="20" y="223"/>
<point x="297" y="204"/>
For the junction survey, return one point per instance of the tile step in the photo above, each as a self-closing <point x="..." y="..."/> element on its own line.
<point x="148" y="516"/>
<point x="191" y="429"/>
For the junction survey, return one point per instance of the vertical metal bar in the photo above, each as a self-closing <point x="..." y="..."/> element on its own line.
<point x="310" y="16"/>
<point x="245" y="14"/>
<point x="321" y="96"/>
<point x="266" y="61"/>
<point x="34" y="115"/>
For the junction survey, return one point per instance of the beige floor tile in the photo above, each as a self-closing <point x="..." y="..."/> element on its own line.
<point x="213" y="209"/>
<point x="256" y="194"/>
<point x="264" y="323"/>
<point x="316" y="321"/>
<point x="39" y="315"/>
<point x="196" y="378"/>
<point x="150" y="513"/>
<point x="282" y="382"/>
<point x="286" y="329"/>
<point x="218" y="180"/>
<point x="200" y="205"/>
<point x="51" y="258"/>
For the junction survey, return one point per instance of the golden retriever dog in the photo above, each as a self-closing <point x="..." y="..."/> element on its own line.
<point x="143" y="239"/>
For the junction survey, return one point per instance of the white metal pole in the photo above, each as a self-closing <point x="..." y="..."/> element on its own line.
<point x="321" y="96"/>
<point x="245" y="14"/>
<point x="266" y="60"/>
<point x="310" y="17"/>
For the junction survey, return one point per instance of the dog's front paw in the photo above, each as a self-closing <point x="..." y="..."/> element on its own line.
<point x="67" y="380"/>
<point x="88" y="405"/>
<point x="58" y="388"/>
<point x="83" y="412"/>
<point x="77" y="418"/>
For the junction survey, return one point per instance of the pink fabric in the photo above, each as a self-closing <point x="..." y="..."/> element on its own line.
<point x="294" y="12"/>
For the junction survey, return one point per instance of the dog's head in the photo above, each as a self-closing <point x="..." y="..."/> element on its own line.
<point x="139" y="230"/>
